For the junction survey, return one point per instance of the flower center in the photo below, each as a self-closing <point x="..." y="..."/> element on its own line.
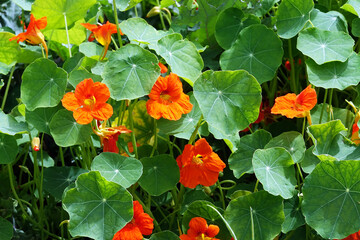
<point x="165" y="97"/>
<point x="203" y="237"/>
<point x="198" y="159"/>
<point x="90" y="102"/>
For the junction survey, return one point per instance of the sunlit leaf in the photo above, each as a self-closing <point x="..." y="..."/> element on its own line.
<point x="123" y="5"/>
<point x="9" y="125"/>
<point x="24" y="4"/>
<point x="352" y="6"/>
<point x="9" y="50"/>
<point x="331" y="21"/>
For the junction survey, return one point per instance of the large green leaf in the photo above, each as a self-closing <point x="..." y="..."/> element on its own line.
<point x="43" y="84"/>
<point x="274" y="168"/>
<point x="78" y="76"/>
<point x="267" y="214"/>
<point x="66" y="131"/>
<point x="292" y="16"/>
<point x="118" y="169"/>
<point x="130" y="72"/>
<point x="257" y="50"/>
<point x="77" y="34"/>
<point x="310" y="160"/>
<point x="165" y="235"/>
<point x="9" y="51"/>
<point x="293" y="142"/>
<point x="56" y="10"/>
<point x="24" y="4"/>
<point x="325" y="46"/>
<point x="123" y="5"/>
<point x="331" y="21"/>
<point x="57" y="179"/>
<point x="334" y="74"/>
<point x="182" y="56"/>
<point x="161" y="174"/>
<point x="331" y="198"/>
<point x="97" y="208"/>
<point x="40" y="118"/>
<point x="8" y="148"/>
<point x="241" y="160"/>
<point x="9" y="125"/>
<point x="229" y="100"/>
<point x="6" y="229"/>
<point x="352" y="6"/>
<point x="293" y="215"/>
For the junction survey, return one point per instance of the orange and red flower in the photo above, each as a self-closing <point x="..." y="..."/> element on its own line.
<point x="88" y="102"/>
<point x="199" y="165"/>
<point x="292" y="105"/>
<point x="109" y="136"/>
<point x="167" y="99"/>
<point x="200" y="230"/>
<point x="33" y="34"/>
<point x="102" y="33"/>
<point x="141" y="224"/>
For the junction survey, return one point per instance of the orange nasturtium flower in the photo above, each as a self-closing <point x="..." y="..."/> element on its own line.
<point x="163" y="68"/>
<point x="199" y="165"/>
<point x="200" y="230"/>
<point x="141" y="224"/>
<point x="88" y="102"/>
<point x="292" y="105"/>
<point x="102" y="33"/>
<point x="167" y="99"/>
<point x="33" y="34"/>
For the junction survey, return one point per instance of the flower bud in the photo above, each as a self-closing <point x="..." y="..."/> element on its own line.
<point x="154" y="11"/>
<point x="35" y="144"/>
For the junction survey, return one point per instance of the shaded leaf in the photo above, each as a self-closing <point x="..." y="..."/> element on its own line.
<point x="6" y="229"/>
<point x="293" y="215"/>
<point x="8" y="148"/>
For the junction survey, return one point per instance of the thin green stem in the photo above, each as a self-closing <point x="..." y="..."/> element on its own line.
<point x="161" y="16"/>
<point x="303" y="127"/>
<point x="292" y="71"/>
<point x="121" y="112"/>
<point x="7" y="88"/>
<point x="330" y="116"/>
<point x="131" y="121"/>
<point x="323" y="106"/>
<point x="155" y="138"/>
<point x="252" y="224"/>
<point x="221" y="194"/>
<point x="61" y="156"/>
<point x="136" y="12"/>
<point x="193" y="135"/>
<point x="179" y="200"/>
<point x="67" y="35"/>
<point x="117" y="23"/>
<point x="300" y="173"/>
<point x="172" y="143"/>
<point x="256" y="185"/>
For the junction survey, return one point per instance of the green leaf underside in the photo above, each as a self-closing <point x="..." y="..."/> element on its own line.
<point x="229" y="100"/>
<point x="66" y="131"/>
<point x="97" y="208"/>
<point x="6" y="229"/>
<point x="292" y="16"/>
<point x="124" y="171"/>
<point x="130" y="72"/>
<point x="334" y="74"/>
<point x="333" y="190"/>
<point x="8" y="148"/>
<point x="57" y="179"/>
<point x="257" y="50"/>
<point x="293" y="215"/>
<point x="40" y="118"/>
<point x="9" y="50"/>
<point x="293" y="142"/>
<point x="241" y="160"/>
<point x="160" y="174"/>
<point x="273" y="167"/>
<point x="267" y="211"/>
<point x="325" y="46"/>
<point x="43" y="84"/>
<point x="10" y="126"/>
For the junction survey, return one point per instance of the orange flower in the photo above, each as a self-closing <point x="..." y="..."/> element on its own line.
<point x="167" y="99"/>
<point x="33" y="34"/>
<point x="88" y="102"/>
<point x="102" y="33"/>
<point x="199" y="230"/>
<point x="109" y="136"/>
<point x="163" y="68"/>
<point x="199" y="165"/>
<point x="141" y="224"/>
<point x="130" y="149"/>
<point x="292" y="105"/>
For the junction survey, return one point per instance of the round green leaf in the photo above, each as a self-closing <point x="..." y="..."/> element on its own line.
<point x="56" y="10"/>
<point x="165" y="235"/>
<point x="273" y="167"/>
<point x="293" y="215"/>
<point x="78" y="76"/>
<point x="267" y="212"/>
<point x="257" y="50"/>
<point x="66" y="131"/>
<point x="161" y="174"/>
<point x="293" y="142"/>
<point x="325" y="46"/>
<point x="77" y="34"/>
<point x="334" y="74"/>
<point x="131" y="72"/>
<point x="9" y="50"/>
<point x="43" y="84"/>
<point x="57" y="179"/>
<point x="118" y="169"/>
<point x="97" y="208"/>
<point x="8" y="148"/>
<point x="292" y="16"/>
<point x="6" y="229"/>
<point x="229" y="100"/>
<point x="331" y="198"/>
<point x="310" y="160"/>
<point x="9" y="125"/>
<point x="241" y="160"/>
<point x="331" y="21"/>
<point x="182" y="56"/>
<point x="40" y="118"/>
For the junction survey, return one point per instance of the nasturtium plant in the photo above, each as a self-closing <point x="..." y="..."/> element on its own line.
<point x="331" y="21"/>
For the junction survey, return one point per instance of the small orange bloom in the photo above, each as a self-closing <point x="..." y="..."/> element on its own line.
<point x="33" y="34"/>
<point x="35" y="144"/>
<point x="199" y="230"/>
<point x="163" y="68"/>
<point x="109" y="136"/>
<point x="354" y="236"/>
<point x="199" y="165"/>
<point x="292" y="105"/>
<point x="141" y="224"/>
<point x="88" y="102"/>
<point x="102" y="33"/>
<point x="167" y="99"/>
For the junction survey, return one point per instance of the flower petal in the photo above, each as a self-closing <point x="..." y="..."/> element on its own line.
<point x="101" y="92"/>
<point x="84" y="90"/>
<point x="212" y="230"/>
<point x="70" y="102"/>
<point x="82" y="116"/>
<point x="102" y="111"/>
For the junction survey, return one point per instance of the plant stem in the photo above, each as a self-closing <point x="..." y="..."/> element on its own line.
<point x="7" y="88"/>
<point x="330" y="106"/>
<point x="193" y="135"/>
<point x="256" y="185"/>
<point x="252" y="224"/>
<point x="221" y="194"/>
<point x="292" y="71"/>
<point x="323" y="106"/>
<point x="173" y="144"/>
<point x="131" y="121"/>
<point x="67" y="35"/>
<point x="155" y="138"/>
<point x="117" y="23"/>
<point x="161" y="16"/>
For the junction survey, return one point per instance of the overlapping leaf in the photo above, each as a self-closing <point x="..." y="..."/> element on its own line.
<point x="9" y="125"/>
<point x="9" y="51"/>
<point x="40" y="118"/>
<point x="331" y="21"/>
<point x="293" y="215"/>
<point x="8" y="148"/>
